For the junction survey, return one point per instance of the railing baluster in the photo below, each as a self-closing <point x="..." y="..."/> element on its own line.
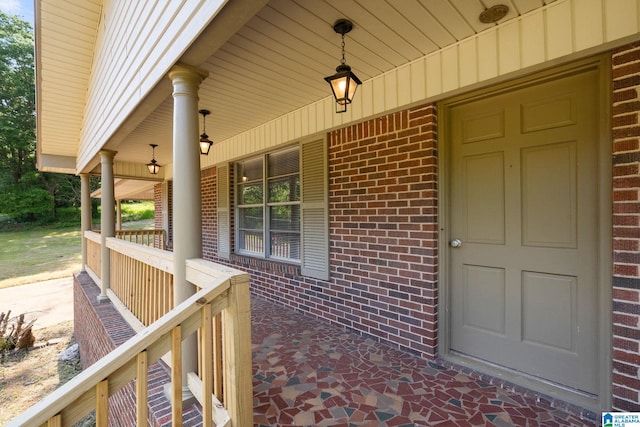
<point x="145" y="303"/>
<point x="176" y="376"/>
<point x="55" y="421"/>
<point x="206" y="331"/>
<point x="142" y="411"/>
<point x="102" y="403"/>
<point x="217" y="356"/>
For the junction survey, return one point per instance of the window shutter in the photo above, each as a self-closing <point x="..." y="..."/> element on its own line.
<point x="224" y="219"/>
<point x="314" y="210"/>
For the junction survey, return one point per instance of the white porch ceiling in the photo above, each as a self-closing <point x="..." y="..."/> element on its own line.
<point x="273" y="65"/>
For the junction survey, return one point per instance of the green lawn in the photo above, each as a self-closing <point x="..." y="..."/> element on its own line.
<point x="51" y="252"/>
<point x="38" y="254"/>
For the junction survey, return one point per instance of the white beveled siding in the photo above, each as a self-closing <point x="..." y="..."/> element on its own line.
<point x="563" y="30"/>
<point x="138" y="42"/>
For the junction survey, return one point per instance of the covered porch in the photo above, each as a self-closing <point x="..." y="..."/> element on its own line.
<point x="475" y="205"/>
<point x="304" y="371"/>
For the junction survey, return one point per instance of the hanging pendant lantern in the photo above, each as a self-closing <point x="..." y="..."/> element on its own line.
<point x="205" y="142"/>
<point x="344" y="82"/>
<point x="153" y="166"/>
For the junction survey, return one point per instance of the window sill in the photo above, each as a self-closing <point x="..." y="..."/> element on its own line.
<point x="254" y="262"/>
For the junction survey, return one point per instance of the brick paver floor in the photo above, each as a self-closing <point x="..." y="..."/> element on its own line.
<point x="310" y="373"/>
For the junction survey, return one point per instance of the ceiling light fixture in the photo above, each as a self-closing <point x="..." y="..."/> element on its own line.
<point x="153" y="166"/>
<point x="205" y="142"/>
<point x="494" y="14"/>
<point x="343" y="83"/>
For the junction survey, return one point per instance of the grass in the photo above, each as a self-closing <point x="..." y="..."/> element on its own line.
<point x="38" y="254"/>
<point x="52" y="251"/>
<point x="137" y="211"/>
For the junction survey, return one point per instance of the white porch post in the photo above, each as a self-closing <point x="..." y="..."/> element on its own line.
<point x="85" y="214"/>
<point x="165" y="210"/>
<point x="119" y="215"/>
<point x="187" y="221"/>
<point x="107" y="220"/>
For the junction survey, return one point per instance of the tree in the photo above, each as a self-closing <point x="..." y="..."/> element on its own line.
<point x="27" y="194"/>
<point x="17" y="99"/>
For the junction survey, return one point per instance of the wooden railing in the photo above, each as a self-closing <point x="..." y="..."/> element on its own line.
<point x="94" y="258"/>
<point x="153" y="238"/>
<point x="224" y="292"/>
<point x="142" y="279"/>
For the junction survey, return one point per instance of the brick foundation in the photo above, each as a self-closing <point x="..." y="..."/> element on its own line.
<point x="99" y="329"/>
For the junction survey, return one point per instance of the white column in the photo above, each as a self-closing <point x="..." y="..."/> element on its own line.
<point x="85" y="214"/>
<point x="107" y="219"/>
<point x="165" y="210"/>
<point x="119" y="215"/>
<point x="187" y="221"/>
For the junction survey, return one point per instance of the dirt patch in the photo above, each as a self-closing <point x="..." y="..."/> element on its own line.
<point x="26" y="376"/>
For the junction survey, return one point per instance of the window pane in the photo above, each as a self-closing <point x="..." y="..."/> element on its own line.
<point x="251" y="218"/>
<point x="250" y="170"/>
<point x="251" y="241"/>
<point x="284" y="162"/>
<point x="250" y="194"/>
<point x="284" y="218"/>
<point x="285" y="245"/>
<point x="251" y="226"/>
<point x="284" y="224"/>
<point x="286" y="189"/>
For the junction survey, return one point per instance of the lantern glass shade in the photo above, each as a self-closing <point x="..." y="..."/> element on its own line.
<point x="205" y="144"/>
<point x="153" y="167"/>
<point x="343" y="85"/>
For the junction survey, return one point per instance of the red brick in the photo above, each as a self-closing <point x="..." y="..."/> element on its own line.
<point x="626" y="69"/>
<point x="625" y="170"/>
<point x="625" y="270"/>
<point x="630" y="295"/>
<point x="625" y="120"/>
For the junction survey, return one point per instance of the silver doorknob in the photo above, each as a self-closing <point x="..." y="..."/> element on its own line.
<point x="456" y="243"/>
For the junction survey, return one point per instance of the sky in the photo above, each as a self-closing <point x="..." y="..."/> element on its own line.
<point x="22" y="8"/>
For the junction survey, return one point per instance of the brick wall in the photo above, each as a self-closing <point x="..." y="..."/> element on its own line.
<point x="209" y="213"/>
<point x="99" y="329"/>
<point x="383" y="233"/>
<point x="626" y="228"/>
<point x="158" y="206"/>
<point x="383" y="222"/>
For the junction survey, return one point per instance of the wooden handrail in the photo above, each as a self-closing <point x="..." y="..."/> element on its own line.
<point x="225" y="292"/>
<point x="154" y="238"/>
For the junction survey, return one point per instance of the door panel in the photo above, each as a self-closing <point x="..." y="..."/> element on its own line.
<point x="522" y="178"/>
<point x="548" y="179"/>
<point x="484" y="193"/>
<point x="484" y="298"/>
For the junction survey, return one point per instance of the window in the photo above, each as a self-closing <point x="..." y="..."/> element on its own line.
<point x="268" y="205"/>
<point x="282" y="198"/>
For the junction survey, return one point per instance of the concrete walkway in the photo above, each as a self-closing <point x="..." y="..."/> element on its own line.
<point x="49" y="302"/>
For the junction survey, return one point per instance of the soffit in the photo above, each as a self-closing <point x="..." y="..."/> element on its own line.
<point x="273" y="65"/>
<point x="65" y="40"/>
